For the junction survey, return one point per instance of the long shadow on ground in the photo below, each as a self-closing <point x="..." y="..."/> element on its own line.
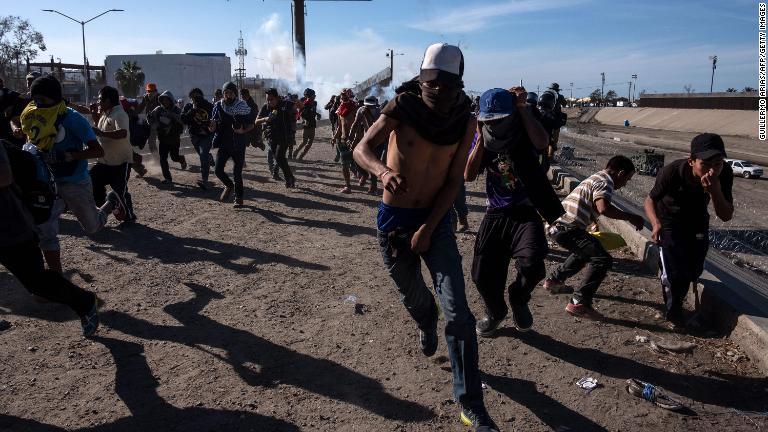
<point x="551" y="412"/>
<point x="341" y="228"/>
<point x="742" y="393"/>
<point x="137" y="388"/>
<point x="148" y="243"/>
<point x="277" y="364"/>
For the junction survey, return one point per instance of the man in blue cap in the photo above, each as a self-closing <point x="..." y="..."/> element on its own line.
<point x="428" y="129"/>
<point x="509" y="136"/>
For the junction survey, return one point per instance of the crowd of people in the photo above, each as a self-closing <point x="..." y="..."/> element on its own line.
<point x="422" y="146"/>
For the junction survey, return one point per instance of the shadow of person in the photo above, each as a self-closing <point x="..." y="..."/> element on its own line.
<point x="16" y="300"/>
<point x="149" y="244"/>
<point x="742" y="393"/>
<point x="137" y="388"/>
<point x="548" y="410"/>
<point x="277" y="364"/>
<point x="341" y="228"/>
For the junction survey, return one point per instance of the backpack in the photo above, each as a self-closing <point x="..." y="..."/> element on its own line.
<point x="139" y="130"/>
<point x="34" y="180"/>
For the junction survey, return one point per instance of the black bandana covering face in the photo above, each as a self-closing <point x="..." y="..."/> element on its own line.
<point x="441" y="100"/>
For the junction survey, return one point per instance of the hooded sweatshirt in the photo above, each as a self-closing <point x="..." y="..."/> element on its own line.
<point x="168" y="121"/>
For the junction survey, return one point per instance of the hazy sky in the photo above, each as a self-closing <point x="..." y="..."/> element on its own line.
<point x="666" y="43"/>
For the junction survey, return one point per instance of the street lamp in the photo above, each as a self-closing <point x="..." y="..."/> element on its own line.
<point x="714" y="66"/>
<point x="571" y="94"/>
<point x="82" y="26"/>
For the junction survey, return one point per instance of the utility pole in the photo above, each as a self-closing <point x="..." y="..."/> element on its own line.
<point x="571" y="94"/>
<point x="629" y="93"/>
<point x="391" y="54"/>
<point x="714" y="66"/>
<point x="602" y="87"/>
<point x="300" y="52"/>
<point x="634" y="77"/>
<point x="299" y="36"/>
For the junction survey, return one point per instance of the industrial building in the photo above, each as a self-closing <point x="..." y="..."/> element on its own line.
<point x="178" y="73"/>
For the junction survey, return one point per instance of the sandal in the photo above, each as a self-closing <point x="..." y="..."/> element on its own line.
<point x="652" y="394"/>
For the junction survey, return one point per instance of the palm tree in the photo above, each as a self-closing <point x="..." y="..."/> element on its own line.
<point x="129" y="78"/>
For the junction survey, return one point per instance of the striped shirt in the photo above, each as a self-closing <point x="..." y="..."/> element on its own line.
<point x="579" y="205"/>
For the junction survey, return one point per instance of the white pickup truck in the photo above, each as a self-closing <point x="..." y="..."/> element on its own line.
<point x="744" y="168"/>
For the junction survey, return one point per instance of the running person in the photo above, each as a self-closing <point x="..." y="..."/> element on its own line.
<point x="114" y="168"/>
<point x="231" y="121"/>
<point x="429" y="137"/>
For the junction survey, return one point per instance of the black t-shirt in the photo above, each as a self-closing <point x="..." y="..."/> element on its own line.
<point x="197" y="118"/>
<point x="309" y="114"/>
<point x="681" y="201"/>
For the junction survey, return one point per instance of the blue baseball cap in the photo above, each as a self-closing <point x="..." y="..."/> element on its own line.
<point x="495" y="104"/>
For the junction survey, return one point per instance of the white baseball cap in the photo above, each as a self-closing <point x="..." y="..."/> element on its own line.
<point x="442" y="62"/>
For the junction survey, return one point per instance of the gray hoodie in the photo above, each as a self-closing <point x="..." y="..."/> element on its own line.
<point x="168" y="120"/>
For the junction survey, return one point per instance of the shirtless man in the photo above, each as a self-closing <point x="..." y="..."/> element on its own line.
<point x="346" y="114"/>
<point x="429" y="137"/>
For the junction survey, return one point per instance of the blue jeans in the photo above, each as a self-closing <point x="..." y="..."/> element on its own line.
<point x="444" y="264"/>
<point x="271" y="158"/>
<point x="236" y="152"/>
<point x="202" y="145"/>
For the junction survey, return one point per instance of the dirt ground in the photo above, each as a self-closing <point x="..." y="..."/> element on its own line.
<point x="225" y="320"/>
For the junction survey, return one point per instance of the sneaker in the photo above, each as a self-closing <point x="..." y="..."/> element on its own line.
<point x="166" y="181"/>
<point x="583" y="311"/>
<point x="225" y="194"/>
<point x="478" y="419"/>
<point x="554" y="286"/>
<point x="290" y="183"/>
<point x="117" y="209"/>
<point x="522" y="317"/>
<point x="238" y="202"/>
<point x="373" y="191"/>
<point x="346" y="190"/>
<point x="487" y="326"/>
<point x="141" y="171"/>
<point x="90" y="321"/>
<point x="183" y="164"/>
<point x="276" y="176"/>
<point x="201" y="184"/>
<point x="428" y="342"/>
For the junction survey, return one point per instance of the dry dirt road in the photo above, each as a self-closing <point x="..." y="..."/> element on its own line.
<point x="226" y="320"/>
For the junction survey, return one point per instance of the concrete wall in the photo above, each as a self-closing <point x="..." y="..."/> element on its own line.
<point x="178" y="73"/>
<point x="723" y="122"/>
<point x="724" y="101"/>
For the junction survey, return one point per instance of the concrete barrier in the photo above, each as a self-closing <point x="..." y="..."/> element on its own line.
<point x="638" y="241"/>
